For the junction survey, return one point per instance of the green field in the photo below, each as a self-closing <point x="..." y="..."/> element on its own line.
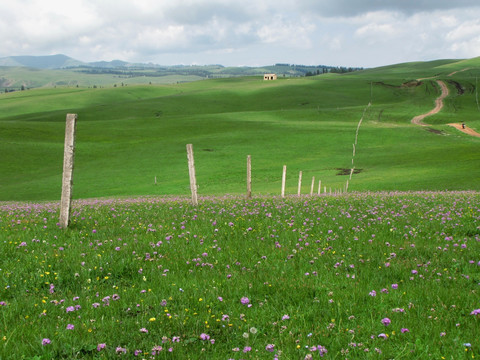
<point x="128" y="136"/>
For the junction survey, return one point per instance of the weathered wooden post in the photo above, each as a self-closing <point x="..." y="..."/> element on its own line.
<point x="68" y="164"/>
<point x="299" y="183"/>
<point x="284" y="179"/>
<point x="319" y="186"/>
<point x="249" y="177"/>
<point x="191" y="172"/>
<point x="313" y="185"/>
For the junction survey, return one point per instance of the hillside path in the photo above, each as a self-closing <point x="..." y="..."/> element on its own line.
<point x="418" y="120"/>
<point x="467" y="130"/>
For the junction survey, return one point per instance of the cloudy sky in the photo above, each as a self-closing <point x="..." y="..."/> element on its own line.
<point x="364" y="33"/>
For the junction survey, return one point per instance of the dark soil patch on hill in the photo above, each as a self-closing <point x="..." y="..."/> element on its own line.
<point x="344" y="171"/>
<point x="435" y="131"/>
<point x="408" y="84"/>
<point x="458" y="86"/>
<point x="386" y="85"/>
<point x="413" y="83"/>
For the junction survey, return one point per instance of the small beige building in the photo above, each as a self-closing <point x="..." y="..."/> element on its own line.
<point x="270" y="77"/>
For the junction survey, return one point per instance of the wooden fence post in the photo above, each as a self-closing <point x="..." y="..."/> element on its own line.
<point x="191" y="172"/>
<point x="249" y="177"/>
<point x="284" y="179"/>
<point x="319" y="186"/>
<point x="68" y="165"/>
<point x="299" y="183"/>
<point x="313" y="185"/>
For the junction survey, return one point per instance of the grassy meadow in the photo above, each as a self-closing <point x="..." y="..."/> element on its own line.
<point x="357" y="276"/>
<point x="388" y="270"/>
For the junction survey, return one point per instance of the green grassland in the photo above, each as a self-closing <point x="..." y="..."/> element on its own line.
<point x="127" y="136"/>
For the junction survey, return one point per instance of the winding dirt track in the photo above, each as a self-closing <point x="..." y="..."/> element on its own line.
<point x="418" y="120"/>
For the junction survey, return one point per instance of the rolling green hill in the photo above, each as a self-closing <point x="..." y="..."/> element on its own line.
<point x="128" y="136"/>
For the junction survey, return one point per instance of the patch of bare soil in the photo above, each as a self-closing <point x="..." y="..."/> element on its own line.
<point x="460" y="89"/>
<point x="413" y="83"/>
<point x="345" y="171"/>
<point x="435" y="131"/>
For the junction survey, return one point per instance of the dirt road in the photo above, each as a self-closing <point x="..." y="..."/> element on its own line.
<point x="418" y="120"/>
<point x="467" y="130"/>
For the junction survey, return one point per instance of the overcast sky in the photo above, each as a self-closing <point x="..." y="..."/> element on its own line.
<point x="365" y="33"/>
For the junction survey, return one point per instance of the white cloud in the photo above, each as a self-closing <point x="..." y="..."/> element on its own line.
<point x="281" y="31"/>
<point x="341" y="32"/>
<point x="464" y="31"/>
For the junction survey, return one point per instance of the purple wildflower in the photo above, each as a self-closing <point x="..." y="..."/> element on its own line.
<point x="270" y="347"/>
<point x="46" y="341"/>
<point x="70" y="326"/>
<point x="245" y="300"/>
<point x="321" y="350"/>
<point x="204" y="336"/>
<point x="475" y="312"/>
<point x="404" y="330"/>
<point x="386" y="321"/>
<point x="156" y="349"/>
<point x="100" y="347"/>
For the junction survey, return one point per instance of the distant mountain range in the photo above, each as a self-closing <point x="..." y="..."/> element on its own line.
<point x="60" y="61"/>
<point x="56" y="62"/>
